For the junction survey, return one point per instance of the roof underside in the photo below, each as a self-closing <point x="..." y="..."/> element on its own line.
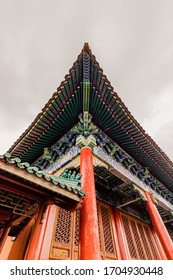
<point x="109" y="113"/>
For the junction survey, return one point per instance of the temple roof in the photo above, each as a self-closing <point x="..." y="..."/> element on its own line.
<point x="24" y="188"/>
<point x="109" y="113"/>
<point x="62" y="186"/>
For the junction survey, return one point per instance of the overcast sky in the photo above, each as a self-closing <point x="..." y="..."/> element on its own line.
<point x="131" y="39"/>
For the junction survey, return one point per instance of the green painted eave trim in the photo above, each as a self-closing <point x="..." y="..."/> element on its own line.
<point x="71" y="185"/>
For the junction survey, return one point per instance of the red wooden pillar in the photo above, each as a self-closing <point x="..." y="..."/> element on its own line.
<point x="160" y="227"/>
<point x="4" y="237"/>
<point x="89" y="232"/>
<point x="47" y="232"/>
<point x="120" y="235"/>
<point x="30" y="254"/>
<point x="159" y="245"/>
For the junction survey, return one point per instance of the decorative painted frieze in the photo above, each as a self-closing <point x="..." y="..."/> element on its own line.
<point x="64" y="159"/>
<point x="72" y="164"/>
<point x="85" y="133"/>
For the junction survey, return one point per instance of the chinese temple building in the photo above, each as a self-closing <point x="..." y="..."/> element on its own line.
<point x="85" y="181"/>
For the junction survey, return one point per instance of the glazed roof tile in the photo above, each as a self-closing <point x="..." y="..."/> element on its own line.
<point x="71" y="185"/>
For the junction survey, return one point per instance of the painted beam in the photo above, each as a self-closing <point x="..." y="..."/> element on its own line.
<point x="124" y="174"/>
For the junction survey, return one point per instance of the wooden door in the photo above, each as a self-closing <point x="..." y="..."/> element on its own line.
<point x="140" y="241"/>
<point x="106" y="233"/>
<point x="65" y="239"/>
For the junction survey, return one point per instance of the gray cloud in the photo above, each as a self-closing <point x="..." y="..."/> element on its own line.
<point x="40" y="40"/>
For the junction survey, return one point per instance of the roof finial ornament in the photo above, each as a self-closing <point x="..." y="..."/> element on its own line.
<point x="86" y="48"/>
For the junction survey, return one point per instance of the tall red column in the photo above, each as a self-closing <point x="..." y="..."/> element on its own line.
<point x="159" y="245"/>
<point x="159" y="227"/>
<point x="30" y="254"/>
<point x="89" y="232"/>
<point x="48" y="231"/>
<point x="120" y="235"/>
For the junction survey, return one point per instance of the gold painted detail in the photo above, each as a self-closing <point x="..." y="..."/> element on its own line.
<point x="65" y="239"/>
<point x="153" y="198"/>
<point x="82" y="141"/>
<point x="60" y="253"/>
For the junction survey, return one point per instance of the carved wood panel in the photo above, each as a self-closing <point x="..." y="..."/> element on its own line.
<point x="65" y="239"/>
<point x="106" y="234"/>
<point x="140" y="240"/>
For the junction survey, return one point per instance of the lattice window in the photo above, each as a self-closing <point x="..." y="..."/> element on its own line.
<point x="152" y="245"/>
<point x="146" y="244"/>
<point x="63" y="227"/>
<point x="140" y="241"/>
<point x="107" y="240"/>
<point x="65" y="239"/>
<point x="77" y="228"/>
<point x="129" y="237"/>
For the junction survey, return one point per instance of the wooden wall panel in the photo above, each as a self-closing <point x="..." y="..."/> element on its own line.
<point x="106" y="234"/>
<point x="140" y="240"/>
<point x="65" y="239"/>
<point x="138" y="236"/>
